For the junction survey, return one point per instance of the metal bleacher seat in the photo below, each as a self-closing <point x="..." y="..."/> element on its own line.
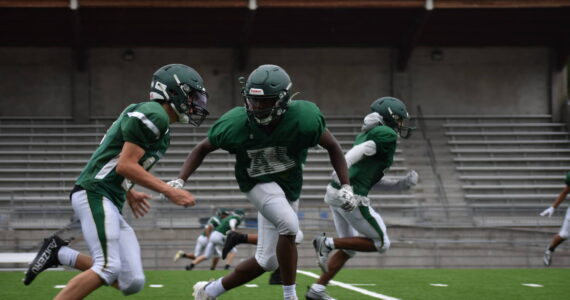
<point x="515" y="164"/>
<point x="40" y="160"/>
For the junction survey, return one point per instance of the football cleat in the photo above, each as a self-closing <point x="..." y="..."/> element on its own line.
<point x="547" y="258"/>
<point x="322" y="251"/>
<point x="189" y="267"/>
<point x="46" y="258"/>
<point x="200" y="291"/>
<point x="314" y="295"/>
<point x="178" y="255"/>
<point x="232" y="239"/>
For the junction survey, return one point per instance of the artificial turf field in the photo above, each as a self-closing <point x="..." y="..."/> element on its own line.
<point x="503" y="284"/>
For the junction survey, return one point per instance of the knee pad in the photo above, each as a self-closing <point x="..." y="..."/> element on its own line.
<point x="136" y="285"/>
<point x="299" y="237"/>
<point x="288" y="226"/>
<point x="109" y="274"/>
<point x="268" y="264"/>
<point x="350" y="253"/>
<point x="382" y="247"/>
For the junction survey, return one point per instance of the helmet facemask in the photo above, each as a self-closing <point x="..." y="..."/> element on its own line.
<point x="264" y="109"/>
<point x="399" y="125"/>
<point x="190" y="105"/>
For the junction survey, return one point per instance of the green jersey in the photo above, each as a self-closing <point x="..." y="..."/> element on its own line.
<point x="225" y="224"/>
<point x="275" y="157"/>
<point x="214" y="221"/>
<point x="365" y="173"/>
<point x="145" y="124"/>
<point x="567" y="180"/>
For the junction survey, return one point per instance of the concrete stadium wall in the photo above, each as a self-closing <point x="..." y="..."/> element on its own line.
<point x="44" y="82"/>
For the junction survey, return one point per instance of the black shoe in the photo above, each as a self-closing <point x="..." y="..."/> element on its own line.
<point x="275" y="278"/>
<point x="46" y="258"/>
<point x="189" y="267"/>
<point x="226" y="267"/>
<point x="232" y="239"/>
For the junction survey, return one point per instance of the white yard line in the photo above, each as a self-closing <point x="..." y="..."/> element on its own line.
<point x="532" y="284"/>
<point x="251" y="285"/>
<point x="155" y="285"/>
<point x="350" y="287"/>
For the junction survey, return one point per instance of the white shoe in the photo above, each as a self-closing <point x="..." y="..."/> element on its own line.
<point x="547" y="258"/>
<point x="322" y="251"/>
<point x="178" y="255"/>
<point x="200" y="291"/>
<point x="314" y="295"/>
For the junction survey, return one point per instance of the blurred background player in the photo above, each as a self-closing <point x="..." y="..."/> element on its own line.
<point x="269" y="136"/>
<point x="132" y="145"/>
<point x="235" y="238"/>
<point x="564" y="230"/>
<point x="202" y="240"/>
<point x="218" y="237"/>
<point x="361" y="228"/>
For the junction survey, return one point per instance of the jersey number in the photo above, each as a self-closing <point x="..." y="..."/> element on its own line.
<point x="268" y="160"/>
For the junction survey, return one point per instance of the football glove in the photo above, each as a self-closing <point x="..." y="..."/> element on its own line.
<point x="346" y="196"/>
<point x="177" y="183"/>
<point x="547" y="212"/>
<point x="411" y="178"/>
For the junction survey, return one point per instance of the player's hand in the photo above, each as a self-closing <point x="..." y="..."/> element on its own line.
<point x="547" y="212"/>
<point x="138" y="203"/>
<point x="180" y="197"/>
<point x="411" y="178"/>
<point x="177" y="183"/>
<point x="346" y="196"/>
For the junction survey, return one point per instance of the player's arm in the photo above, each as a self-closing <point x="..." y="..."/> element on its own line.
<point x="329" y="142"/>
<point x="405" y="183"/>
<point x="549" y="211"/>
<point x="233" y="224"/>
<point x="128" y="167"/>
<point x="195" y="158"/>
<point x="338" y="162"/>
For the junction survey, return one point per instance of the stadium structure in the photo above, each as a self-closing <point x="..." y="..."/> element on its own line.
<point x="486" y="83"/>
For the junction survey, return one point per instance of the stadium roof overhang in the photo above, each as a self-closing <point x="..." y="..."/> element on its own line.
<point x="242" y="24"/>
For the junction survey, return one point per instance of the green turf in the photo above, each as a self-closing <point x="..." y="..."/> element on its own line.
<point x="503" y="284"/>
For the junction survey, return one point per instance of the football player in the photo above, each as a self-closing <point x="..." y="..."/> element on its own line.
<point x="363" y="229"/>
<point x="564" y="230"/>
<point x="269" y="136"/>
<point x="217" y="238"/>
<point x="132" y="145"/>
<point x="202" y="240"/>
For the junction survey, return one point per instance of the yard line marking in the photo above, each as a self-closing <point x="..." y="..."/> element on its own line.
<point x="59" y="286"/>
<point x="251" y="285"/>
<point x="363" y="284"/>
<point x="350" y="287"/>
<point x="155" y="285"/>
<point x="532" y="284"/>
<point x="439" y="284"/>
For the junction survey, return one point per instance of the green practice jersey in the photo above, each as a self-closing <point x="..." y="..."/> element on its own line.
<point x="567" y="180"/>
<point x="369" y="170"/>
<point x="145" y="124"/>
<point x="225" y="224"/>
<point x="276" y="157"/>
<point x="214" y="221"/>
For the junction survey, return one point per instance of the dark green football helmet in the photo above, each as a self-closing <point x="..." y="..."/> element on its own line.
<point x="240" y="213"/>
<point x="183" y="88"/>
<point x="394" y="114"/>
<point x="222" y="212"/>
<point x="266" y="93"/>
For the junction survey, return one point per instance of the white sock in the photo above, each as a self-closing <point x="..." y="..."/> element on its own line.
<point x="289" y="291"/>
<point x="329" y="242"/>
<point x="318" y="287"/>
<point x="67" y="256"/>
<point x="215" y="288"/>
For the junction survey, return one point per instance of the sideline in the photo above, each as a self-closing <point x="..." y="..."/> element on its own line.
<point x="350" y="287"/>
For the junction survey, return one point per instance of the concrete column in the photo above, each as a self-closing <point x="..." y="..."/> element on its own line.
<point x="80" y="96"/>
